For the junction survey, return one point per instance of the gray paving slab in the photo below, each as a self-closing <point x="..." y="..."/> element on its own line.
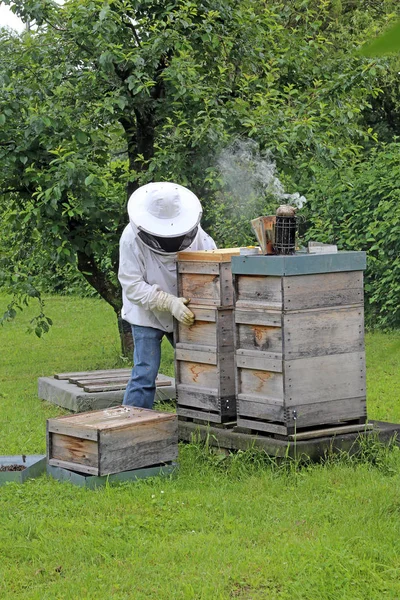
<point x="74" y="398"/>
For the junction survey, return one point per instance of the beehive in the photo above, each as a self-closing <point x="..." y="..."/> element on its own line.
<point x="204" y="352"/>
<point x="114" y="440"/>
<point x="299" y="341"/>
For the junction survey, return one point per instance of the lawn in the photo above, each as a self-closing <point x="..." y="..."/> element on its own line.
<point x="223" y="528"/>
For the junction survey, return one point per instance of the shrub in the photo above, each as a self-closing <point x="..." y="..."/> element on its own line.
<point x="358" y="208"/>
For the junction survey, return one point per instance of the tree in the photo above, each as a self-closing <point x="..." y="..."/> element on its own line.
<point x="103" y="96"/>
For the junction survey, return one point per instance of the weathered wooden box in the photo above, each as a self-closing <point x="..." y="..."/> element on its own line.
<point x="111" y="441"/>
<point x="205" y="276"/>
<point x="204" y="352"/>
<point x="299" y="341"/>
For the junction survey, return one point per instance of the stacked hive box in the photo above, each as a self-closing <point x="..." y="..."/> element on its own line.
<point x="299" y="341"/>
<point x="204" y="354"/>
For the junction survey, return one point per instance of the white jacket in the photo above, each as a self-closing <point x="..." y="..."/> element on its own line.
<point x="144" y="272"/>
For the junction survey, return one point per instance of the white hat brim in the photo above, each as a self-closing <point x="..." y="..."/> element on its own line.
<point x="186" y="221"/>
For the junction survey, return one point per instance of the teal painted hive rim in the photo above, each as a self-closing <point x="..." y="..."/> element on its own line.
<point x="35" y="465"/>
<point x="93" y="481"/>
<point x="299" y="264"/>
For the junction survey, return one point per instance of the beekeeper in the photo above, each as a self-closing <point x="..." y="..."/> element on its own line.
<point x="164" y="218"/>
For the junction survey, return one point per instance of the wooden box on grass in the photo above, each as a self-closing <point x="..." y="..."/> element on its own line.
<point x="299" y="341"/>
<point x="113" y="440"/>
<point x="204" y="352"/>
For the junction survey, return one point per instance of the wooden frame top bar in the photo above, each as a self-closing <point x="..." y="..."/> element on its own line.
<point x="222" y="255"/>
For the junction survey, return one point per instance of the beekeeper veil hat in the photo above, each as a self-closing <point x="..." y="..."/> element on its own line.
<point x="164" y="209"/>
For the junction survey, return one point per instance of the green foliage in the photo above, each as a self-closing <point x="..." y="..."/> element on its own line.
<point x="358" y="208"/>
<point x="384" y="44"/>
<point x="101" y="97"/>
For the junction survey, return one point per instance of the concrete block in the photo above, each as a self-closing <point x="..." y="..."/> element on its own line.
<point x="74" y="398"/>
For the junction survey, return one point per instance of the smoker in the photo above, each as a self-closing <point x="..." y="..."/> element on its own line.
<point x="277" y="234"/>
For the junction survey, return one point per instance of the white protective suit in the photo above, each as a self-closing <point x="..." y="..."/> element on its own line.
<point x="144" y="272"/>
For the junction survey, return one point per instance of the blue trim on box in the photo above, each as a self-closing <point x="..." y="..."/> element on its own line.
<point x="299" y="264"/>
<point x="35" y="465"/>
<point x="93" y="481"/>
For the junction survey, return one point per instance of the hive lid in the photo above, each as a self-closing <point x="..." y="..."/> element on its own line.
<point x="299" y="264"/>
<point x="111" y="418"/>
<point x="219" y="255"/>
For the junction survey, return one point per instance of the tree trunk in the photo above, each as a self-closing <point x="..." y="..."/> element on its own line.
<point x="89" y="268"/>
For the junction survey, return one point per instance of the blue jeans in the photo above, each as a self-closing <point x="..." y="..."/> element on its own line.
<point x="141" y="387"/>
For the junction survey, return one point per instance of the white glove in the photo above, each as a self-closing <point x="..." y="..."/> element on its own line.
<point x="176" y="306"/>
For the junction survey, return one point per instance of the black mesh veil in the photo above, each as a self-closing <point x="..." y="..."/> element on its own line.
<point x="168" y="245"/>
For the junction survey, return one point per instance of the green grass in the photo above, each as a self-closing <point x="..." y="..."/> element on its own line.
<point x="227" y="527"/>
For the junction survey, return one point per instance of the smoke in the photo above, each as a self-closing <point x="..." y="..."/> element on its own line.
<point x="249" y="174"/>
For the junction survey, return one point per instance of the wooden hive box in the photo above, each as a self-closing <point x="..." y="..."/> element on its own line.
<point x="204" y="352"/>
<point x="206" y="277"/>
<point x="111" y="441"/>
<point x="299" y="341"/>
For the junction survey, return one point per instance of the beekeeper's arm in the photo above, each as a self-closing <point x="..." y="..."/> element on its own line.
<point x="138" y="291"/>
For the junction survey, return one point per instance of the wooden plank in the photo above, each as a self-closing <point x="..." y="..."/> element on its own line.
<point x="201" y="375"/>
<point x="324" y="378"/>
<point x="148" y="433"/>
<point x="74" y="450"/>
<point x="256" y="359"/>
<point x="202" y="333"/>
<point x="262" y="426"/>
<point x="226" y="285"/>
<point x="67" y="428"/>
<point x="100" y="378"/>
<point x="99" y="382"/>
<point x="220" y="255"/>
<point x="201" y="289"/>
<point x="72" y="466"/>
<point x="116" y="417"/>
<point x="100" y="373"/>
<point x="324" y="289"/>
<point x="206" y="416"/>
<point x="259" y="383"/>
<point x="146" y="454"/>
<point x="225" y="330"/>
<point x="323" y="332"/>
<point x="226" y="372"/>
<point x="92" y="388"/>
<point x="258" y="289"/>
<point x="204" y="313"/>
<point x="206" y="355"/>
<point x="258" y="317"/>
<point x="135" y="421"/>
<point x="323" y="413"/>
<point x="262" y="338"/>
<point x="193" y="398"/>
<point x="181" y="387"/>
<point x="208" y="268"/>
<point x="260" y="410"/>
<point x="339" y="430"/>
